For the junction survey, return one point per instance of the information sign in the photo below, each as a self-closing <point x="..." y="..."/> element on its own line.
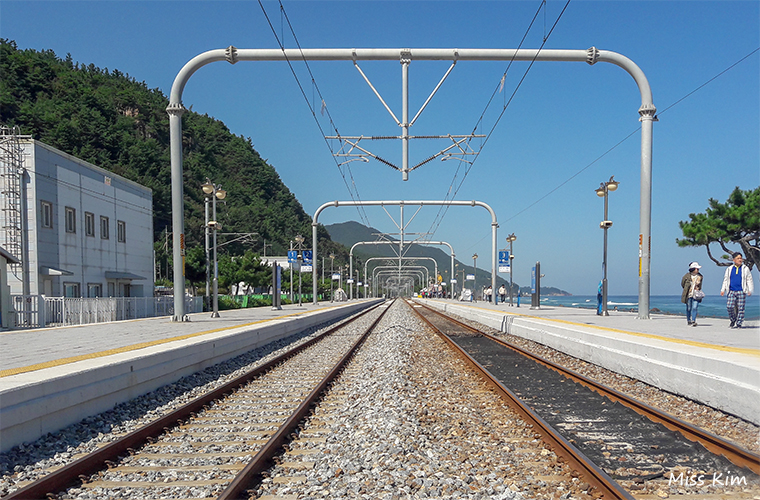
<point x="504" y="261"/>
<point x="307" y="257"/>
<point x="359" y="284"/>
<point x="306" y="268"/>
<point x="349" y="281"/>
<point x="470" y="277"/>
<point x="292" y="256"/>
<point x="533" y="280"/>
<point x="453" y="280"/>
<point x="336" y="276"/>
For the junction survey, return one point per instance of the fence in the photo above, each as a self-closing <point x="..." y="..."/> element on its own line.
<point x="66" y="311"/>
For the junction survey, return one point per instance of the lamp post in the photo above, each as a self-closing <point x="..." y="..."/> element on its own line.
<point x="510" y="239"/>
<point x="332" y="270"/>
<point x="474" y="275"/>
<point x="601" y="191"/>
<point x="215" y="192"/>
<point x="455" y="276"/>
<point x="299" y="248"/>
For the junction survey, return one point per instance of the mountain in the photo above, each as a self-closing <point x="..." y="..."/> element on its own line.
<point x="115" y="122"/>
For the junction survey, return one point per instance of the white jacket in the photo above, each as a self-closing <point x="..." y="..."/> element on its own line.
<point x="748" y="286"/>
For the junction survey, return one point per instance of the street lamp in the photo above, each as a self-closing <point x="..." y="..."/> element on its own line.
<point x="474" y="275"/>
<point x="601" y="191"/>
<point x="332" y="261"/>
<point x="215" y="192"/>
<point x="510" y="239"/>
<point x="299" y="248"/>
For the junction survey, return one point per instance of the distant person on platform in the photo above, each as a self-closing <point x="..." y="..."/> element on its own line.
<point x="692" y="293"/>
<point x="519" y="294"/>
<point x="502" y="293"/>
<point x="737" y="285"/>
<point x="599" y="298"/>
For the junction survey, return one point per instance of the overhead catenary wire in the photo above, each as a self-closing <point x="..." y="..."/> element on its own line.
<point x="576" y="174"/>
<point x="479" y="123"/>
<point x="360" y="210"/>
<point x="438" y="220"/>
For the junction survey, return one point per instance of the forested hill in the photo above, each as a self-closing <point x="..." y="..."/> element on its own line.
<point x="111" y="120"/>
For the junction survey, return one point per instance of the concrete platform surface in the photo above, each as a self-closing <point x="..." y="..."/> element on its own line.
<point x="53" y="377"/>
<point x="25" y="350"/>
<point x="710" y="363"/>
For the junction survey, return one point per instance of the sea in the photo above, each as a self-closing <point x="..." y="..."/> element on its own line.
<point x="712" y="305"/>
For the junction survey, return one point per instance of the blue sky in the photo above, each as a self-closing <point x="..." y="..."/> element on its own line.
<point x="562" y="118"/>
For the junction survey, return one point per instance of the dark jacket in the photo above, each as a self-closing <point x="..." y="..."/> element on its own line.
<point x="686" y="285"/>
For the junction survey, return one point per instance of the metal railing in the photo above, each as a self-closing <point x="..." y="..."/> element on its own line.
<point x="66" y="311"/>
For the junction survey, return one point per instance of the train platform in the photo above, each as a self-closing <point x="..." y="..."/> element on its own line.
<point x="710" y="363"/>
<point x="52" y="377"/>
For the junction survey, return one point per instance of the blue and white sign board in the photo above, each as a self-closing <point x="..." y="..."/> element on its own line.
<point x="306" y="256"/>
<point x="336" y="276"/>
<point x="470" y="277"/>
<point x="359" y="284"/>
<point x="453" y="280"/>
<point x="504" y="261"/>
<point x="292" y="256"/>
<point x="533" y="280"/>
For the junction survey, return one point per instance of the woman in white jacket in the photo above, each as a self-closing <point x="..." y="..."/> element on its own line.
<point x="737" y="285"/>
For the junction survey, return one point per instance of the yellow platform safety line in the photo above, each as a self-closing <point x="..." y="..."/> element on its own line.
<point x="693" y="343"/>
<point x="134" y="347"/>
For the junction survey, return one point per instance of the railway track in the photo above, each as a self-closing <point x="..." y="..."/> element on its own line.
<point x="219" y="443"/>
<point x="630" y="441"/>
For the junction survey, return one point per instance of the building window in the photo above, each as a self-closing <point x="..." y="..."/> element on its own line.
<point x="103" y="227"/>
<point x="121" y="227"/>
<point x="71" y="220"/>
<point x="94" y="290"/>
<point x="71" y="290"/>
<point x="46" y="214"/>
<point x="89" y="224"/>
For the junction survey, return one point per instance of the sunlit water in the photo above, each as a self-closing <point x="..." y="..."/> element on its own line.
<point x="712" y="305"/>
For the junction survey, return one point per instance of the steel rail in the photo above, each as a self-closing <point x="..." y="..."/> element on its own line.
<point x="69" y="475"/>
<point x="591" y="473"/>
<point x="715" y="444"/>
<point x="263" y="459"/>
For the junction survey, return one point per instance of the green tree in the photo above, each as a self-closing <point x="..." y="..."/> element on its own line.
<point x="736" y="222"/>
<point x="247" y="268"/>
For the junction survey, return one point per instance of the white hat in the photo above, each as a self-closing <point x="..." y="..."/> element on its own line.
<point x="695" y="265"/>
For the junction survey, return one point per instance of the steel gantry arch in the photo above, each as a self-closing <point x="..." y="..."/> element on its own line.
<point x="232" y="55"/>
<point x="435" y="263"/>
<point x="381" y="203"/>
<point x="417" y="242"/>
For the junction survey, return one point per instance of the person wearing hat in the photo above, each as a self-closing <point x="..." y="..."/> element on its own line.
<point x="737" y="285"/>
<point x="692" y="293"/>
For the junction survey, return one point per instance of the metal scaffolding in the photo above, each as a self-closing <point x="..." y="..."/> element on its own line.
<point x="11" y="175"/>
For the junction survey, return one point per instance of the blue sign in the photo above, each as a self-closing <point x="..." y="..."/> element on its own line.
<point x="533" y="280"/>
<point x="504" y="261"/>
<point x="307" y="256"/>
<point x="292" y="256"/>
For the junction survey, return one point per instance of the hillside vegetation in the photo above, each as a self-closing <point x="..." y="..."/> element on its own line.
<point x="116" y="122"/>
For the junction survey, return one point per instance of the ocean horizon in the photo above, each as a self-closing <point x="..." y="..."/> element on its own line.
<point x="711" y="306"/>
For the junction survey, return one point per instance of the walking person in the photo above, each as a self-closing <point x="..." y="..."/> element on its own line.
<point x="737" y="286"/>
<point x="692" y="293"/>
<point x="502" y="293"/>
<point x="599" y="298"/>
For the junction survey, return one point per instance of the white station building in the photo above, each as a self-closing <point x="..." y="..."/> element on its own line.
<point x="79" y="230"/>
